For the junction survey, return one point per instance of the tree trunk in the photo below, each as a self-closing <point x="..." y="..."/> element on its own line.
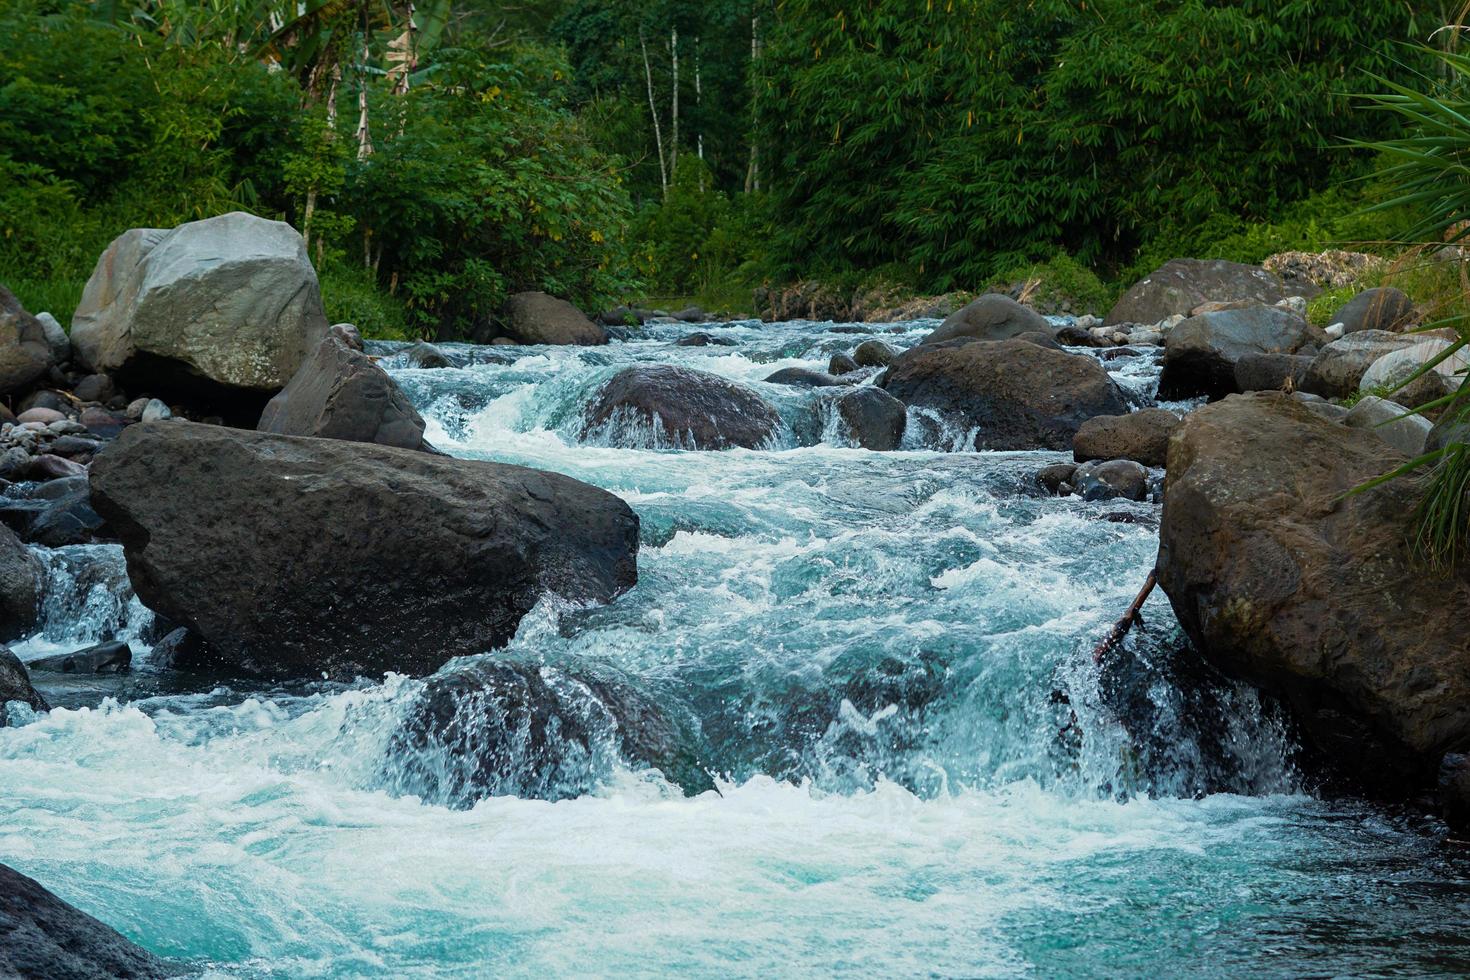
<point x="364" y="135"/>
<point x="753" y="170"/>
<point x="699" y="112"/>
<point x="658" y="136"/>
<point x="674" y="56"/>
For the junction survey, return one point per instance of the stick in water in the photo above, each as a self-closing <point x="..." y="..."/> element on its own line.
<point x="1121" y="627"/>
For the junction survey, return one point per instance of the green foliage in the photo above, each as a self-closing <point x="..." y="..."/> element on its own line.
<point x="351" y="296"/>
<point x="1061" y="280"/>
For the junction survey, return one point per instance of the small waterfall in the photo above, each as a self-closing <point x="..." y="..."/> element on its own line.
<point x="87" y="600"/>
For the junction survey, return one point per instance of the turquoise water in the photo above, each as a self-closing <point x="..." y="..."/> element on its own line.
<point x="920" y="770"/>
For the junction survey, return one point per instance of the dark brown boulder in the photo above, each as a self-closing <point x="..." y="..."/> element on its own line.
<point x="680" y="406"/>
<point x="339" y="393"/>
<point x="874" y="417"/>
<point x="1019" y="395"/>
<point x="1200" y="354"/>
<point x="21" y="582"/>
<point x="1141" y="436"/>
<point x="1179" y="286"/>
<point x="15" y="685"/>
<point x="537" y="318"/>
<point x="993" y="316"/>
<point x="297" y="557"/>
<point x="1281" y="580"/>
<point x="25" y="354"/>
<point x="42" y="936"/>
<point x="1271" y="372"/>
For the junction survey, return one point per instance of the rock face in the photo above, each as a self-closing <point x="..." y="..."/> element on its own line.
<point x="1280" y="580"/>
<point x="876" y="419"/>
<point x="229" y="305"/>
<point x="15" y="685"/>
<point x="1141" y="436"/>
<point x="25" y="353"/>
<point x="42" y="936"/>
<point x="1376" y="309"/>
<point x="1201" y="353"/>
<point x="1178" y="286"/>
<point x="1019" y="395"/>
<point x="489" y="727"/>
<point x="536" y="318"/>
<point x="991" y="317"/>
<point x="293" y="557"/>
<point x="21" y="582"/>
<point x="702" y="410"/>
<point x="340" y="393"/>
<point x="1339" y="367"/>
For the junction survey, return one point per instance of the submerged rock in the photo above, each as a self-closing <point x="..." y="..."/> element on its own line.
<point x="340" y="393"/>
<point x="1019" y="395"/>
<point x="1314" y="596"/>
<point x="538" y="318"/>
<point x="42" y="936"/>
<point x="799" y="377"/>
<point x="1109" y="480"/>
<point x="297" y="557"/>
<point x="874" y="353"/>
<point x="1179" y="286"/>
<point x="684" y="406"/>
<point x="485" y="727"/>
<point x="993" y="316"/>
<point x="841" y="363"/>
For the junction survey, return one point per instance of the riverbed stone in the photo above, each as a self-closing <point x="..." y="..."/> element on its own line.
<point x="993" y="316"/>
<point x="340" y="393"/>
<point x="539" y="318"/>
<point x="295" y="557"/>
<point x="841" y="363"/>
<point x="55" y="514"/>
<point x="875" y="418"/>
<point x="15" y="685"/>
<point x="22" y="581"/>
<point x="112" y="657"/>
<point x="874" y="353"/>
<point x="702" y="410"/>
<point x="56" y="338"/>
<point x="1181" y="285"/>
<point x="1201" y="353"/>
<point x="42" y="936"/>
<point x="1018" y="395"/>
<point x="224" y="309"/>
<point x="1282" y="578"/>
<point x="1110" y="479"/>
<point x="800" y="377"/>
<point x="1142" y="436"/>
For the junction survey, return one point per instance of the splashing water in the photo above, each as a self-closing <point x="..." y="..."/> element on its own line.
<point x="881" y="663"/>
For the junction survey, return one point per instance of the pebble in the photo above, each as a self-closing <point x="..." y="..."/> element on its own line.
<point x="42" y="415"/>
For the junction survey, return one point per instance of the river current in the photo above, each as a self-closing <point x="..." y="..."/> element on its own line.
<point x="919" y="770"/>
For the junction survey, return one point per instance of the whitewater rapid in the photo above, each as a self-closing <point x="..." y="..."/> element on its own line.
<point x="919" y="769"/>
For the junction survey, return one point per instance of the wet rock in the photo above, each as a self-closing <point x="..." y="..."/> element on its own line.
<point x="799" y="377"/>
<point x="181" y="649"/>
<point x="1454" y="790"/>
<point x="425" y="356"/>
<point x="1180" y="285"/>
<point x="691" y="314"/>
<point x="225" y="309"/>
<point x="876" y="419"/>
<point x="874" y="353"/>
<point x="1282" y="579"/>
<point x="1019" y="395"/>
<point x="348" y="334"/>
<point x="55" y="514"/>
<point x="339" y="393"/>
<point x="43" y="937"/>
<point x="1040" y="339"/>
<point x="395" y="559"/>
<point x="489" y="727"/>
<point x="1110" y="480"/>
<point x="993" y="316"/>
<point x="1142" y="436"/>
<point x="94" y="388"/>
<point x="702" y="409"/>
<point x="22" y="581"/>
<point x="1057" y="478"/>
<point x="25" y="353"/>
<point x="80" y="449"/>
<point x="114" y="657"/>
<point x="1391" y="422"/>
<point x="15" y="685"/>
<point x="841" y="364"/>
<point x="1271" y="372"/>
<point x="1385" y="308"/>
<point x="1201" y="353"/>
<point x="537" y="318"/>
<point x="705" y="340"/>
<point x="1339" y="367"/>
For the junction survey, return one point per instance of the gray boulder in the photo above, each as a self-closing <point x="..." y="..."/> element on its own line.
<point x="874" y="353"/>
<point x="1180" y="285"/>
<point x="1338" y="368"/>
<point x="1385" y="308"/>
<point x="681" y="406"/>
<point x="348" y="334"/>
<point x="874" y="417"/>
<point x="1017" y="394"/>
<point x="25" y="353"/>
<point x="1391" y="422"/>
<point x="1271" y="372"/>
<point x="340" y="393"/>
<point x="21" y="583"/>
<point x="42" y="936"/>
<point x="56" y="338"/>
<point x="993" y="316"/>
<point x="295" y="557"/>
<point x="1393" y="371"/>
<point x="1200" y="354"/>
<point x="537" y="318"/>
<point x="1142" y="436"/>
<point x="221" y="307"/>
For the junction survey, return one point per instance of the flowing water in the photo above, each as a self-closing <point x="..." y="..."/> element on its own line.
<point x="885" y="660"/>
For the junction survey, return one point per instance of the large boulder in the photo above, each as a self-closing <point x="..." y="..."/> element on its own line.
<point x="993" y="316"/>
<point x="1271" y="372"/>
<point x="1384" y="308"/>
<point x="1018" y="395"/>
<point x="1180" y="285"/>
<point x="875" y="418"/>
<point x="1282" y="580"/>
<point x="25" y="353"/>
<point x="223" y="308"/>
<point x="537" y="318"/>
<point x="15" y="685"/>
<point x="1393" y="371"/>
<point x="42" y="936"/>
<point x="484" y="727"/>
<point x="800" y="377"/>
<point x="1200" y="354"/>
<point x="340" y="393"/>
<point x="1338" y="368"/>
<point x="661" y="405"/>
<point x="298" y="557"/>
<point x="21" y="582"/>
<point x="1142" y="436"/>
